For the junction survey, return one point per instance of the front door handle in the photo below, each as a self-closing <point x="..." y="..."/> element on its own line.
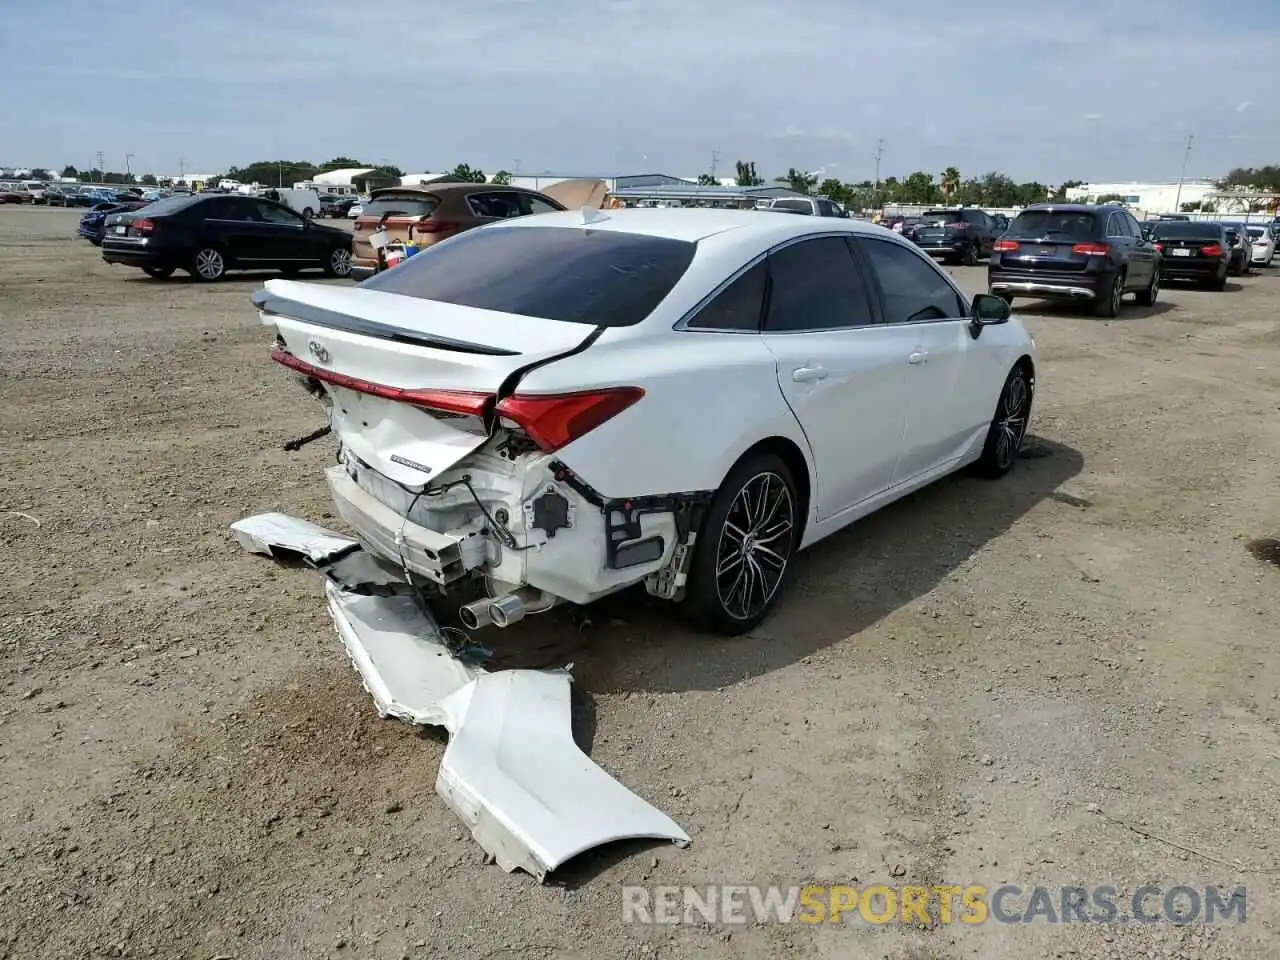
<point x="919" y="356"/>
<point x="808" y="374"/>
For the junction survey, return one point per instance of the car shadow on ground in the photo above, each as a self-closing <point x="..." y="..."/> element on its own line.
<point x="633" y="643"/>
<point x="1059" y="308"/>
<point x="248" y="276"/>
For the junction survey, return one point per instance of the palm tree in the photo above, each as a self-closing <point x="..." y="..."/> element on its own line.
<point x="950" y="182"/>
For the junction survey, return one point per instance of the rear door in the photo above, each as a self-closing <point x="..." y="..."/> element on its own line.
<point x="230" y="223"/>
<point x="951" y="388"/>
<point x="1120" y="238"/>
<point x="843" y="373"/>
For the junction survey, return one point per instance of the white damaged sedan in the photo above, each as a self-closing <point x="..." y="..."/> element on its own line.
<point x="560" y="406"/>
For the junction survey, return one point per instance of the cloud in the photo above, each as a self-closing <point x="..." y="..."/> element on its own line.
<point x="1243" y="106"/>
<point x="586" y="88"/>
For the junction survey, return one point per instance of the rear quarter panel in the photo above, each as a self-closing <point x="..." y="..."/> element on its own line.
<point x="709" y="397"/>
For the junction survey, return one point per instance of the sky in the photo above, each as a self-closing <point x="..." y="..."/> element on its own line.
<point x="1085" y="90"/>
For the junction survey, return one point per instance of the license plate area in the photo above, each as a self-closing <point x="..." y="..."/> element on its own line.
<point x="122" y="229"/>
<point x="1181" y="252"/>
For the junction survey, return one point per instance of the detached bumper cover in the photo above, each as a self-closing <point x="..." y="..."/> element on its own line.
<point x="512" y="770"/>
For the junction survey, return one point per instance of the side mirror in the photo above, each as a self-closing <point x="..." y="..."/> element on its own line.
<point x="987" y="309"/>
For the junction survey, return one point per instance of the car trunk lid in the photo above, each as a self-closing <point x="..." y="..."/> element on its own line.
<point x="404" y="217"/>
<point x="412" y="380"/>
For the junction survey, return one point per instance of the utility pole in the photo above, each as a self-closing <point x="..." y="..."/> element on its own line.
<point x="1177" y="200"/>
<point x="128" y="168"/>
<point x="182" y="169"/>
<point x="715" y="162"/>
<point x="879" y="154"/>
<point x="101" y="163"/>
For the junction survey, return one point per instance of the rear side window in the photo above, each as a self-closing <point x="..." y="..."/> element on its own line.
<point x="406" y="205"/>
<point x="495" y="205"/>
<point x="1068" y="224"/>
<point x="816" y="285"/>
<point x="597" y="277"/>
<point x="738" y="306"/>
<point x="799" y="206"/>
<point x="913" y="289"/>
<point x="171" y="205"/>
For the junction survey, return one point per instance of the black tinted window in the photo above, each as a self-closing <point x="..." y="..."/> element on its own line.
<point x="578" y="275"/>
<point x="738" y="306"/>
<point x="913" y="289"/>
<point x="171" y="205"/>
<point x="798" y="206"/>
<point x="498" y="205"/>
<point x="943" y="216"/>
<point x="815" y="285"/>
<point x="1068" y="224"/>
<point x="1184" y="230"/>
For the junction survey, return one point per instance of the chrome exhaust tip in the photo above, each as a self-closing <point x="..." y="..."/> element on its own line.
<point x="476" y="614"/>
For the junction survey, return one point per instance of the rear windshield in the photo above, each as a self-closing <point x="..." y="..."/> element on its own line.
<point x="1186" y="230"/>
<point x="1069" y="224"/>
<point x="597" y="277"/>
<point x="410" y="205"/>
<point x="169" y="205"/>
<point x="1256" y="231"/>
<point x="800" y="206"/>
<point x="942" y="216"/>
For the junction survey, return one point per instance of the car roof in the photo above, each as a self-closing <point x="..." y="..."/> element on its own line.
<point x="445" y="187"/>
<point x="1072" y="207"/>
<point x="696" y="224"/>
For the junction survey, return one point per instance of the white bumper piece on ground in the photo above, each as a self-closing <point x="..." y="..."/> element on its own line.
<point x="512" y="770"/>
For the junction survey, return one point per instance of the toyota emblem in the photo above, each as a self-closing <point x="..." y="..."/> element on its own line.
<point x="317" y="350"/>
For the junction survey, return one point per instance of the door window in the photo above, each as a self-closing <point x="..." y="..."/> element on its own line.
<point x="914" y="290"/>
<point x="816" y="285"/>
<point x="538" y="205"/>
<point x="495" y="205"/>
<point x="738" y="306"/>
<point x="270" y="213"/>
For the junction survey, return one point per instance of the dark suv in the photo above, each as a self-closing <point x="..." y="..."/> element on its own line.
<point x="1076" y="252"/>
<point x="957" y="236"/>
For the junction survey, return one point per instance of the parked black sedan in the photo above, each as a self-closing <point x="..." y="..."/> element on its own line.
<point x="1094" y="254"/>
<point x="1196" y="250"/>
<point x="209" y="234"/>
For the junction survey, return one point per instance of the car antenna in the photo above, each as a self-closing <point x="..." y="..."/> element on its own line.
<point x="593" y="215"/>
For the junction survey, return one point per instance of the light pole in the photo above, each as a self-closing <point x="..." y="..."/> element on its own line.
<point x="128" y="170"/>
<point x="1177" y="200"/>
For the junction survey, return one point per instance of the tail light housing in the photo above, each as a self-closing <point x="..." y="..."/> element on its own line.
<point x="143" y="226"/>
<point x="1160" y="248"/>
<point x="1212" y="250"/>
<point x="1091" y="249"/>
<point x="428" y="225"/>
<point x="464" y="402"/>
<point x="1004" y="246"/>
<point x="555" y="420"/>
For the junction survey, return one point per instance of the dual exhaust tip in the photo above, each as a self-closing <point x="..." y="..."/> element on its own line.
<point x="503" y="611"/>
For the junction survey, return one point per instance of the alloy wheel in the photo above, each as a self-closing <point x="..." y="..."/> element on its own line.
<point x="755" y="545"/>
<point x="210" y="264"/>
<point x="1011" y="421"/>
<point x="1117" y="294"/>
<point x="340" y="262"/>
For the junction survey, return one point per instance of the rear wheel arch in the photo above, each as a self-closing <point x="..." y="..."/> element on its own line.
<point x="789" y="453"/>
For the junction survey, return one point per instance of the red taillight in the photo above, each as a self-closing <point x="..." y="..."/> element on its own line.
<point x="449" y="401"/>
<point x="1091" y="249"/>
<point x="1160" y="248"/>
<point x="552" y="421"/>
<point x="1213" y="250"/>
<point x="1004" y="246"/>
<point x="427" y="225"/>
<point x="143" y="226"/>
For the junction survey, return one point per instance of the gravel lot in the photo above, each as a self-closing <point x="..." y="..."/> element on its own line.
<point x="1068" y="677"/>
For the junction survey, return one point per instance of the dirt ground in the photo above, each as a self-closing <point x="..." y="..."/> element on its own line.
<point x="1068" y="677"/>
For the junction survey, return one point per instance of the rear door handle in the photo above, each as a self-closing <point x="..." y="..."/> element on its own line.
<point x="808" y="374"/>
<point x="919" y="356"/>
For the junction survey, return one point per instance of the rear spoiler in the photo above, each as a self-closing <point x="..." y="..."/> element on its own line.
<point x="274" y="305"/>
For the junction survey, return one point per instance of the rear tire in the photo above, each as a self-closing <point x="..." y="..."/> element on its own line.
<point x="749" y="536"/>
<point x="1147" y="297"/>
<point x="308" y="213"/>
<point x="208" y="265"/>
<point x="1009" y="425"/>
<point x="970" y="256"/>
<point x="1108" y="305"/>
<point x="1218" y="283"/>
